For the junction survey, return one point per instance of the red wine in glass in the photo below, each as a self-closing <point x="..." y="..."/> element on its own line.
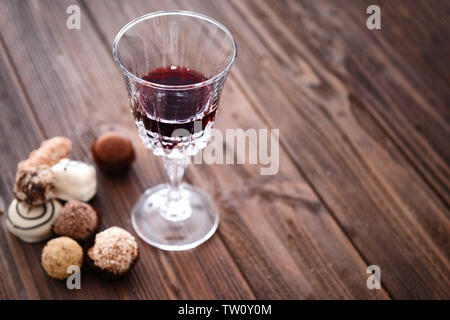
<point x="163" y="111"/>
<point x="174" y="64"/>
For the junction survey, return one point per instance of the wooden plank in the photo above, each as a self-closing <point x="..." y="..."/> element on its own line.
<point x="289" y="247"/>
<point x="22" y="133"/>
<point x="350" y="161"/>
<point x="400" y="72"/>
<point x="346" y="110"/>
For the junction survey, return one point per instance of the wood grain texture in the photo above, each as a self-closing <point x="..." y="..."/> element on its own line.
<point x="404" y="86"/>
<point x="367" y="185"/>
<point x="353" y="188"/>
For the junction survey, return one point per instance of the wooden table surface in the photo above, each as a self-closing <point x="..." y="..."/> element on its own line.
<point x="364" y="148"/>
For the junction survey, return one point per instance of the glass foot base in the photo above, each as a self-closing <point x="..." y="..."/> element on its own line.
<point x="182" y="225"/>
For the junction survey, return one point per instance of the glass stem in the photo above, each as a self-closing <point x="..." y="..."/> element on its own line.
<point x="174" y="209"/>
<point x="175" y="171"/>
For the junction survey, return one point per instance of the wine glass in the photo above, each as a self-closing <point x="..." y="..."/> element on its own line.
<point x="174" y="64"/>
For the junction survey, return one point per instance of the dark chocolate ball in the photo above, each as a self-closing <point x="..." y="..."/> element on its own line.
<point x="113" y="153"/>
<point x="77" y="220"/>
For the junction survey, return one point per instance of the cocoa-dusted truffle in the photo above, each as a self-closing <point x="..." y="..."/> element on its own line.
<point x="113" y="153"/>
<point x="76" y="220"/>
<point x="114" y="252"/>
<point x="34" y="185"/>
<point x="59" y="254"/>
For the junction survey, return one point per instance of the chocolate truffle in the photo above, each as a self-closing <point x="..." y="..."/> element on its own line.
<point x="32" y="224"/>
<point x="114" y="252"/>
<point x="59" y="254"/>
<point x="76" y="220"/>
<point x="113" y="153"/>
<point x="34" y="185"/>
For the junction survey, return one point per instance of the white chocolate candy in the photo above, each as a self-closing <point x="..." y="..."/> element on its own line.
<point x="74" y="180"/>
<point x="32" y="224"/>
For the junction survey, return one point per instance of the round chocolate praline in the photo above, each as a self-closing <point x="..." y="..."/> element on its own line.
<point x="113" y="153"/>
<point x="77" y="220"/>
<point x="59" y="254"/>
<point x="113" y="252"/>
